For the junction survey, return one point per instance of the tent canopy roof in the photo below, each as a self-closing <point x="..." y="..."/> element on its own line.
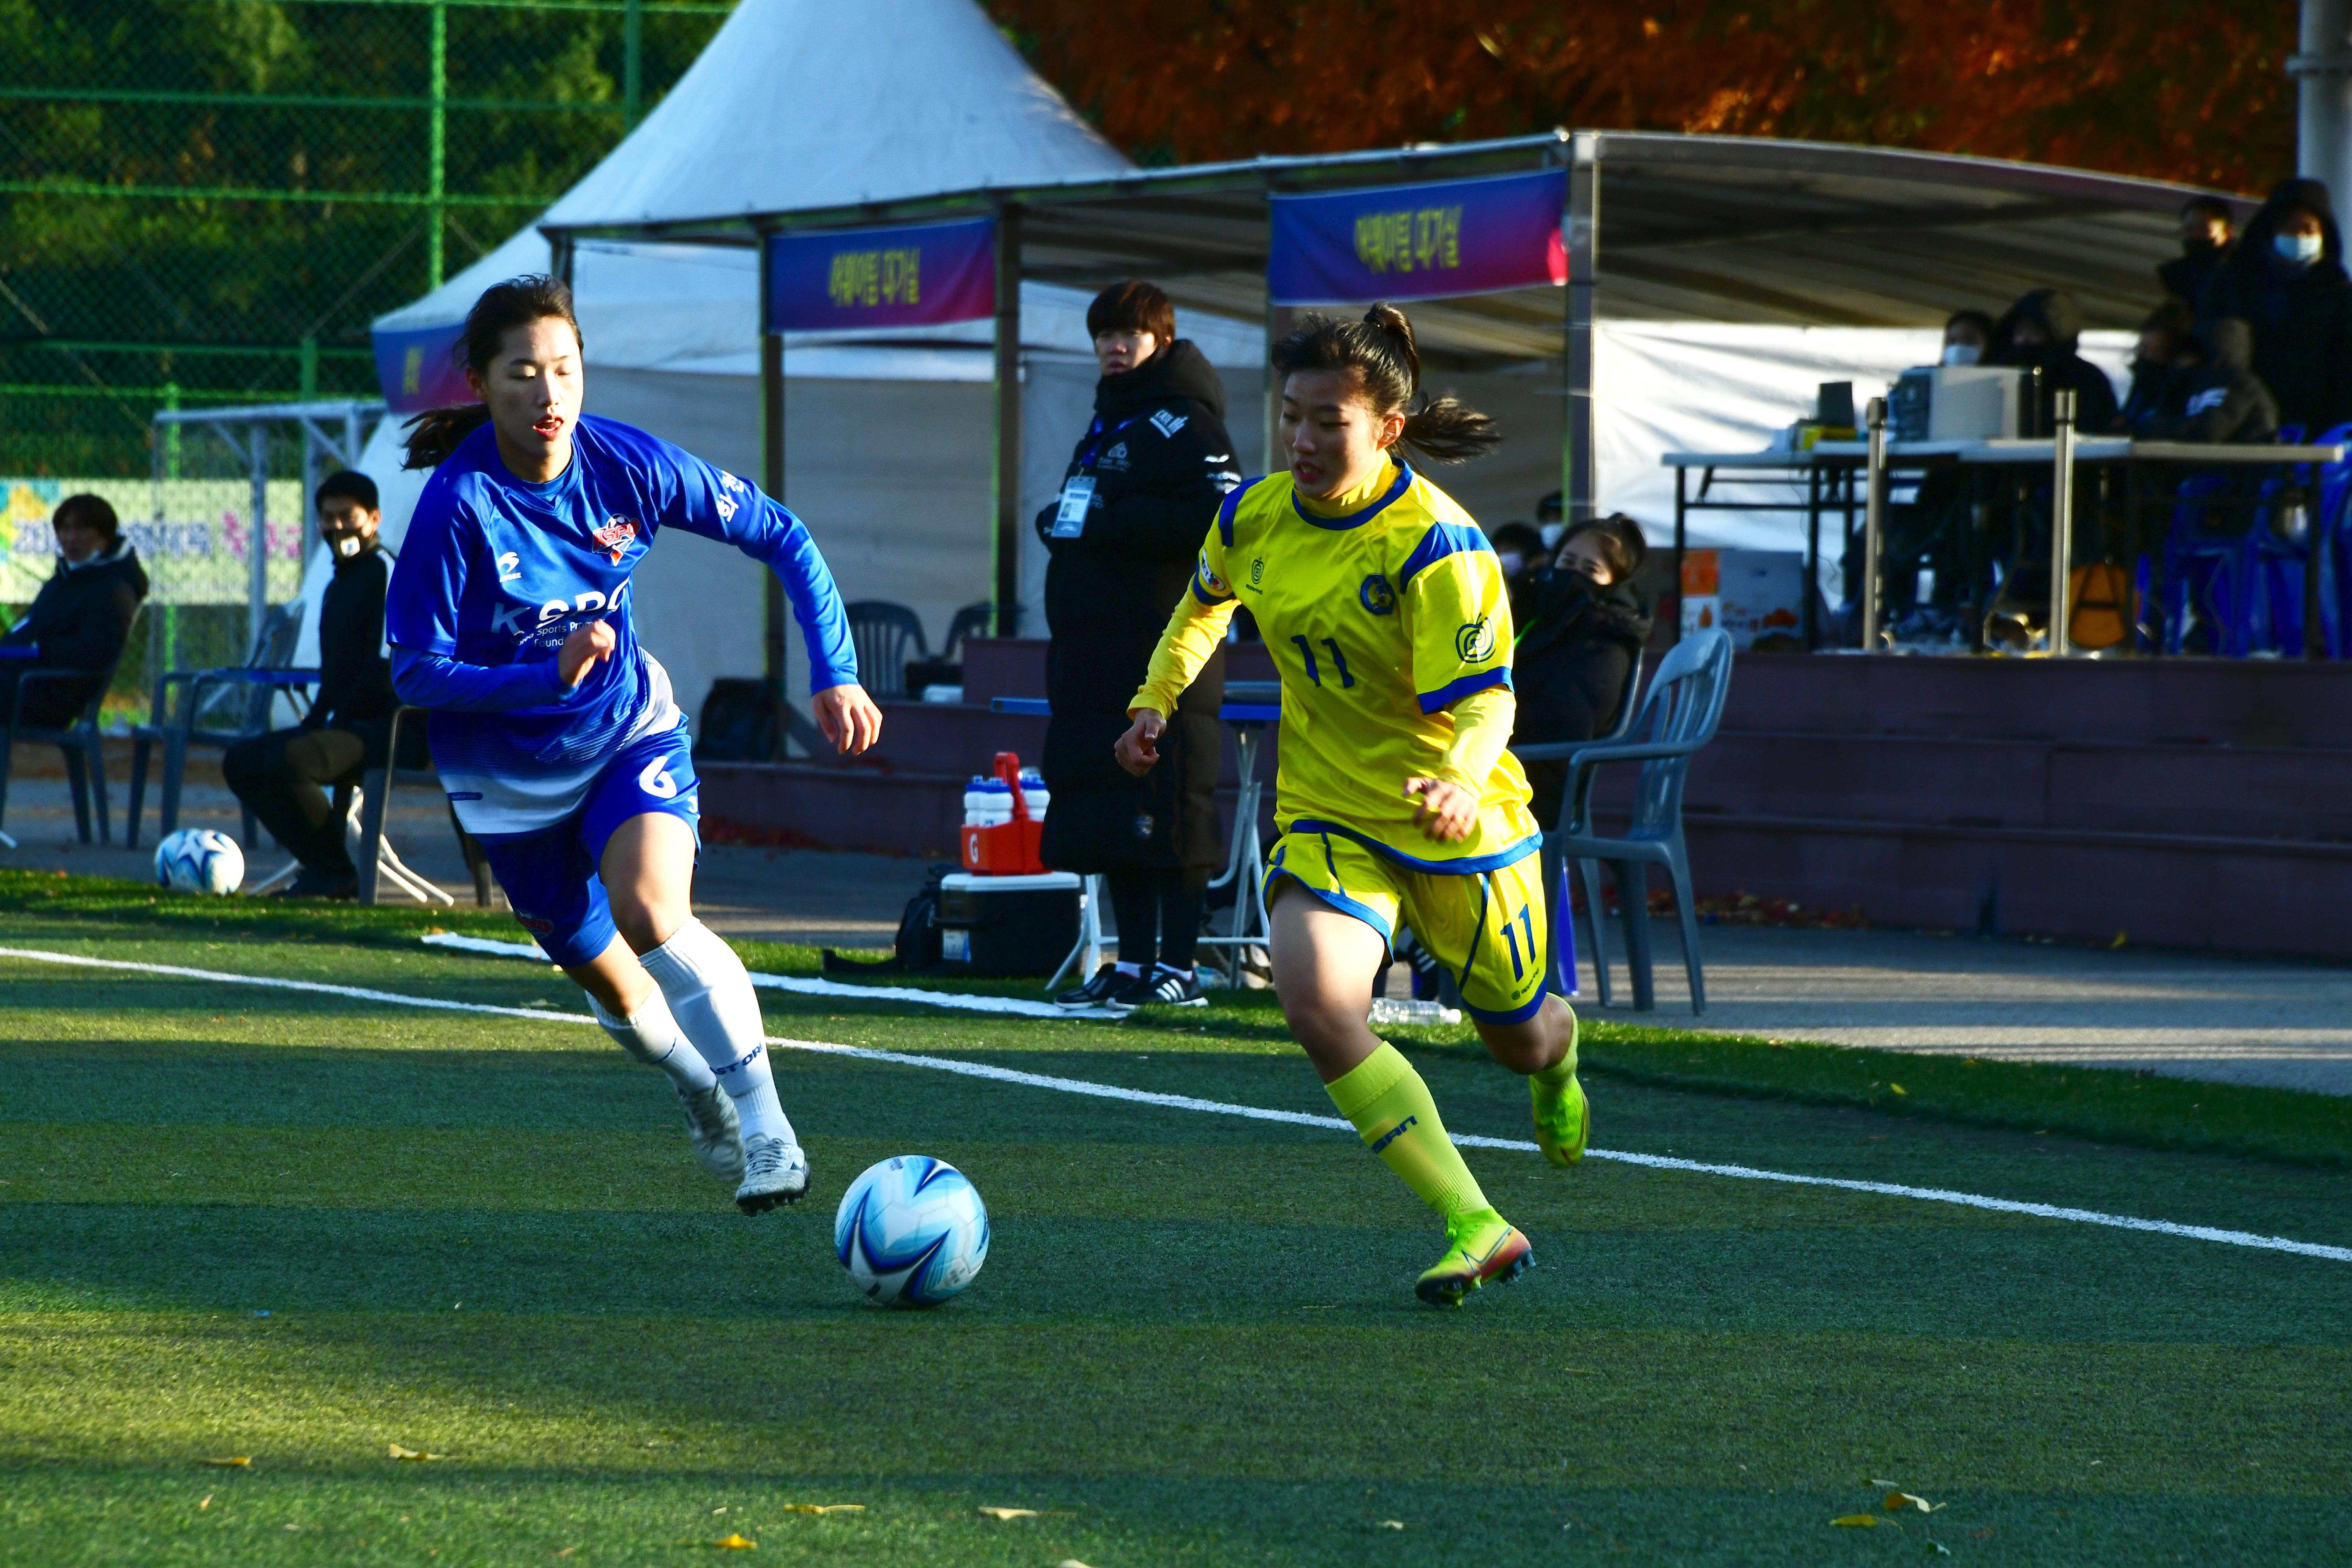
<point x="1690" y="228"/>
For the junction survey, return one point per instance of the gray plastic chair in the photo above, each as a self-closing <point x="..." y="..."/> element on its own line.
<point x="885" y="637"/>
<point x="80" y="740"/>
<point x="217" y="708"/>
<point x="1678" y="716"/>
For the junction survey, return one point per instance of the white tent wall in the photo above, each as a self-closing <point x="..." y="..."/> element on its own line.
<point x="1712" y="386"/>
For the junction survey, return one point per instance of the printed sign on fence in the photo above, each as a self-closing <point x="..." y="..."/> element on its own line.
<point x="195" y="552"/>
<point x="1418" y="242"/>
<point x="910" y="276"/>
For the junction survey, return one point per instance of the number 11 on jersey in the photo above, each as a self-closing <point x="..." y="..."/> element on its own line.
<point x="1338" y="661"/>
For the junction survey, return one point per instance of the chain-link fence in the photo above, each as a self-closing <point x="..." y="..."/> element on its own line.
<point x="204" y="202"/>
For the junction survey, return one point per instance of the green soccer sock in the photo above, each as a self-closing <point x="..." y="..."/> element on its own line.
<point x="1392" y="1112"/>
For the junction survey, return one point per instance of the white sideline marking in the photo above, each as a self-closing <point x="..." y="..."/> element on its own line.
<point x="1253" y="1113"/>
<point x="956" y="1000"/>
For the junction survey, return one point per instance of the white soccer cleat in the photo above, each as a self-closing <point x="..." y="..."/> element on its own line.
<point x="774" y="1172"/>
<point x="716" y="1132"/>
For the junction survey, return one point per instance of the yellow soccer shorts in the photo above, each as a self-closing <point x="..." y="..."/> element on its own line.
<point x="1487" y="927"/>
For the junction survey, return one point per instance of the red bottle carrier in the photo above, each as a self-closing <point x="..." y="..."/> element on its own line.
<point x="1009" y="849"/>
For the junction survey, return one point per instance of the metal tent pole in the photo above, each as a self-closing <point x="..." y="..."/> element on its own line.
<point x="1874" y="522"/>
<point x="1580" y="494"/>
<point x="1004" y="545"/>
<point x="258" y="588"/>
<point x="2322" y="69"/>
<point x="2062" y="518"/>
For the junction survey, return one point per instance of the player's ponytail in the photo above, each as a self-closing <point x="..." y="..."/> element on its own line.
<point x="1381" y="349"/>
<point x="517" y="303"/>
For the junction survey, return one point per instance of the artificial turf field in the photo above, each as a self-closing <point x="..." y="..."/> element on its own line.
<point x="302" y="1230"/>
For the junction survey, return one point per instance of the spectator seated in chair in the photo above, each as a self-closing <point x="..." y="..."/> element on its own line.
<point x="2214" y="393"/>
<point x="1575" y="655"/>
<point x="80" y="618"/>
<point x="283" y="776"/>
<point x="2042" y="332"/>
<point x="2286" y="280"/>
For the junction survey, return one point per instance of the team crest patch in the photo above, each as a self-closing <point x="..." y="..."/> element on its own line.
<point x="1475" y="644"/>
<point x="1376" y="595"/>
<point x="614" y="536"/>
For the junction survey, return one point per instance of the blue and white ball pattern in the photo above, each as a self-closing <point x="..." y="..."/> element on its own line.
<point x="199" y="860"/>
<point x="911" y="1231"/>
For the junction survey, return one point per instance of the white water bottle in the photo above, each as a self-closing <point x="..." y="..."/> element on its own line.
<point x="975" y="801"/>
<point x="1033" y="793"/>
<point x="995" y="804"/>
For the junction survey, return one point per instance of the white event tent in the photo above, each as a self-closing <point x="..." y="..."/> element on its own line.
<point x="837" y="104"/>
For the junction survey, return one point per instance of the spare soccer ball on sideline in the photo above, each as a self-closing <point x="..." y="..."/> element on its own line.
<point x="199" y="860"/>
<point x="911" y="1231"/>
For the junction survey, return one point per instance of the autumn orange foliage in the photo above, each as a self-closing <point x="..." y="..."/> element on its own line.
<point x="2187" y="91"/>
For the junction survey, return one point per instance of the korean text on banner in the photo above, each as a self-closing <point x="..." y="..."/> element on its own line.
<point x="910" y="276"/>
<point x="419" y="369"/>
<point x="1419" y="242"/>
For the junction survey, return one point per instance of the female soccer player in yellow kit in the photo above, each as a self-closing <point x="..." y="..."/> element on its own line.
<point x="1387" y="615"/>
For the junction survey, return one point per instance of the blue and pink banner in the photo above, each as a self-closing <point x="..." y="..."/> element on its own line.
<point x="419" y="369"/>
<point x="915" y="275"/>
<point x="1419" y="242"/>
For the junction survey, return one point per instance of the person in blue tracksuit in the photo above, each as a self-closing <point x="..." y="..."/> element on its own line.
<point x="555" y="734"/>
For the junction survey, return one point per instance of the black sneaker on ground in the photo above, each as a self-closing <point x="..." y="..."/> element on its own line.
<point x="1163" y="987"/>
<point x="1097" y="992"/>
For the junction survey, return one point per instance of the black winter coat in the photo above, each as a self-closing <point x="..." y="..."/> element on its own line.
<point x="2302" y="321"/>
<point x="2221" y="400"/>
<point x="354" y="678"/>
<point x="2062" y="369"/>
<point x="1571" y="669"/>
<point x="1161" y="460"/>
<point x="80" y="620"/>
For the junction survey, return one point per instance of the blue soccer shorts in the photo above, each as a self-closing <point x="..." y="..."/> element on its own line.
<point x="550" y="875"/>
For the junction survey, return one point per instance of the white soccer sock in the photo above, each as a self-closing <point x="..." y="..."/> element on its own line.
<point x="652" y="1037"/>
<point x="710" y="992"/>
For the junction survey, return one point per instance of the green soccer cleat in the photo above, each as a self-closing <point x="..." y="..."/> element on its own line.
<point x="1486" y="1248"/>
<point x="1563" y="1120"/>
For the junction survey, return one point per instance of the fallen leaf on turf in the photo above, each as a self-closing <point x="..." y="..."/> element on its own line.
<point x="1897" y="1501"/>
<point x="1069" y="1562"/>
<point x="1389" y="1524"/>
<point x="829" y="1508"/>
<point x="1941" y="1549"/>
<point x="236" y="1462"/>
<point x="1010" y="1512"/>
<point x="1889" y="1485"/>
<point x="1857" y="1522"/>
<point x="567" y="1551"/>
<point x="394" y="1450"/>
<point x="1900" y="1089"/>
<point x="734" y="1544"/>
<point x="206" y="1504"/>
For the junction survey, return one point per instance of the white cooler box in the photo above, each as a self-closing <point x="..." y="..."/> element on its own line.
<point x="1008" y="925"/>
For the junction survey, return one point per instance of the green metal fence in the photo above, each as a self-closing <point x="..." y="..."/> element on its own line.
<point x="204" y="202"/>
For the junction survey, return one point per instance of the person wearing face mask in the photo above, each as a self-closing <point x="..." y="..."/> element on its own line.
<point x="2041" y="332"/>
<point x="1965" y="337"/>
<point x="79" y="619"/>
<point x="2207" y="243"/>
<point x="1140" y="488"/>
<point x="283" y="776"/>
<point x="2288" y="284"/>
<point x="1573" y="662"/>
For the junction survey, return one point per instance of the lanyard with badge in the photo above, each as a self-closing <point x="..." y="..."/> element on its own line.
<point x="1078" y="489"/>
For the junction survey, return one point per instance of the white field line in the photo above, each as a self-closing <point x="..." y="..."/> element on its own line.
<point x="795" y="984"/>
<point x="1252" y="1112"/>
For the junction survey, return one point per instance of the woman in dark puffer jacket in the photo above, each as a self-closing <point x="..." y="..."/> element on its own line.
<point x="1142" y="491"/>
<point x="1574" y="660"/>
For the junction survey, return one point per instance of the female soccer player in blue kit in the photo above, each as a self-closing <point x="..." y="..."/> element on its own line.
<point x="555" y="734"/>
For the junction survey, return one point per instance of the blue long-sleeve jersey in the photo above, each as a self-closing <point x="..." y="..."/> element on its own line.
<point x="496" y="572"/>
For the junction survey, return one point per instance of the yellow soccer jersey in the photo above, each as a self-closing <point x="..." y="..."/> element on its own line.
<point x="1380" y="621"/>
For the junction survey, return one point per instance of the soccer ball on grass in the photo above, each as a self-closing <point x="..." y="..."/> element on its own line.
<point x="911" y="1231"/>
<point x="199" y="860"/>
